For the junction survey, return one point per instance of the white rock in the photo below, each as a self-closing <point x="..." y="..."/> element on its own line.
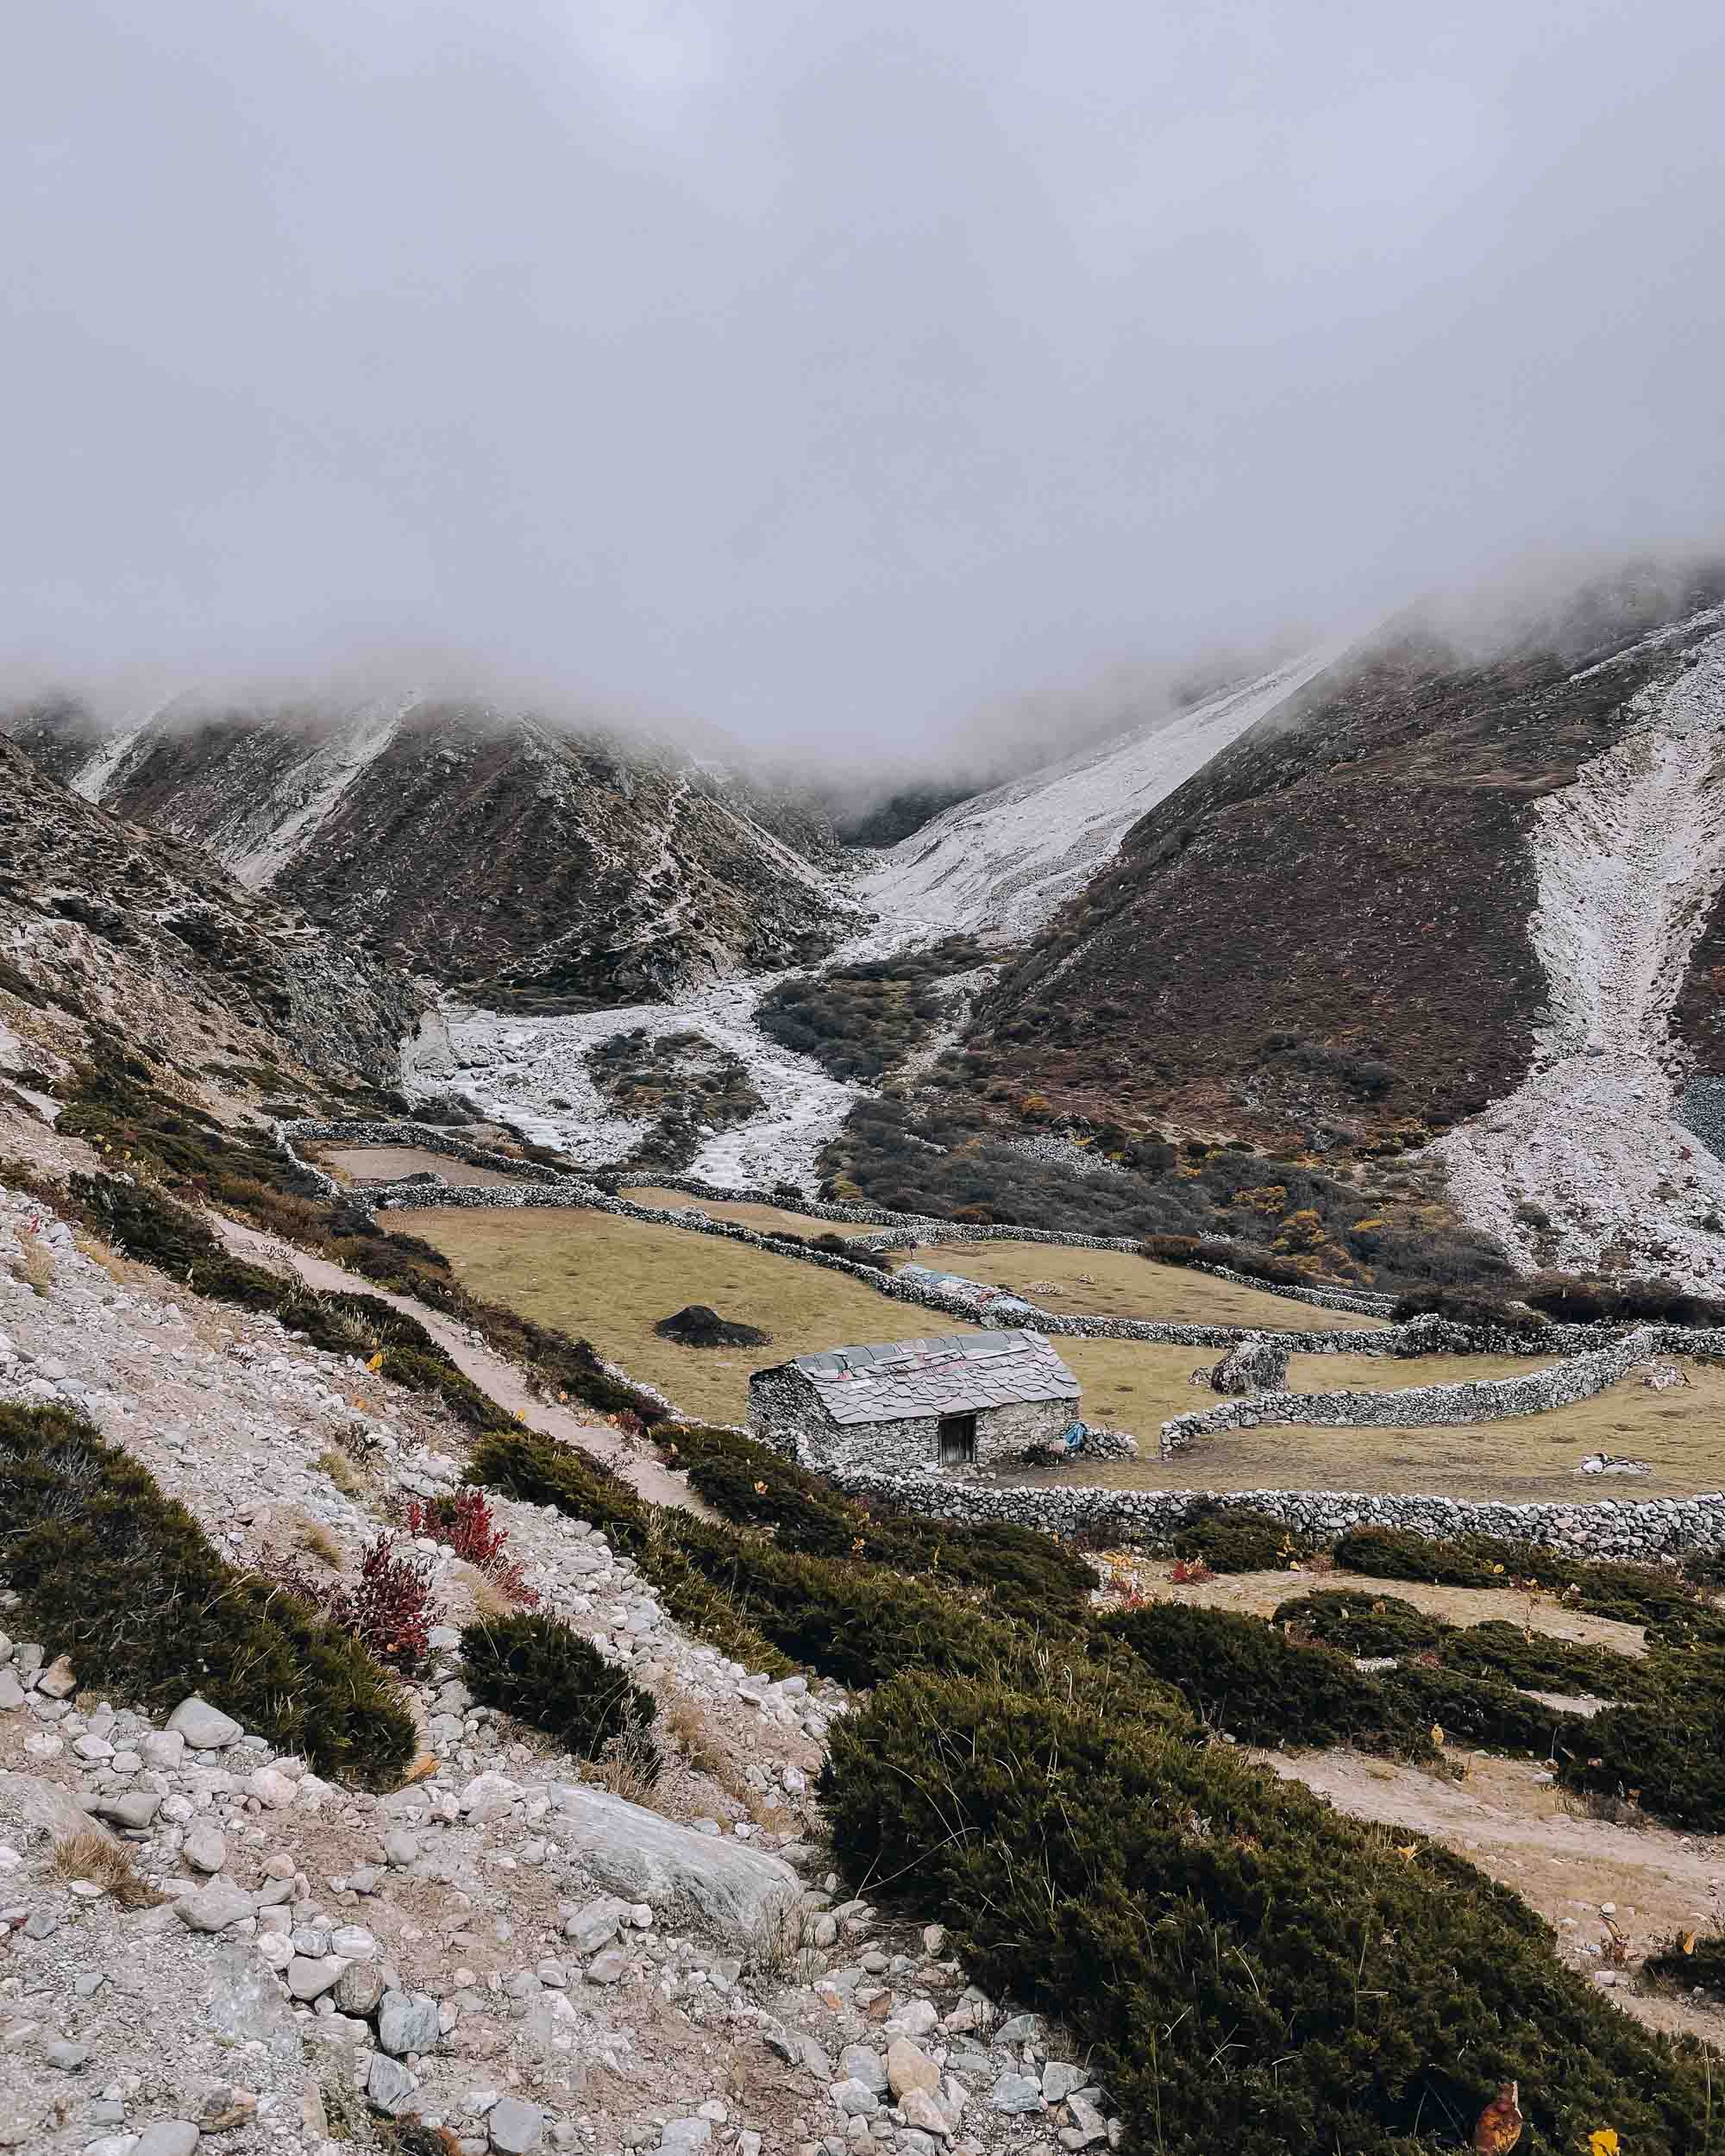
<point x="205" y="1727"/>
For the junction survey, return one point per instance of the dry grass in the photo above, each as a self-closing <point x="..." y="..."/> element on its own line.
<point x="698" y="1740"/>
<point x="692" y="1734"/>
<point x="36" y="1267"/>
<point x="1075" y="1282"/>
<point x="317" y="1541"/>
<point x="485" y="1597"/>
<point x="628" y="1768"/>
<point x="343" y="1473"/>
<point x="1524" y="1459"/>
<point x="610" y="1280"/>
<point x="120" y="1271"/>
<point x="104" y="1862"/>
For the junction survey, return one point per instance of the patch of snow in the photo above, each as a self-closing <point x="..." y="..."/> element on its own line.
<point x="516" y="1069"/>
<point x="1001" y="864"/>
<point x="321" y="781"/>
<point x="1629" y="860"/>
<point x="92" y="779"/>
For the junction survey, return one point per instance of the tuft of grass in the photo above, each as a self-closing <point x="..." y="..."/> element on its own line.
<point x="317" y="1541"/>
<point x="343" y="1473"/>
<point x="36" y="1267"/>
<point x="104" y="1863"/>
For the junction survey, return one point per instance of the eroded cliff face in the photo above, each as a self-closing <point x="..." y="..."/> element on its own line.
<point x="529" y="867"/>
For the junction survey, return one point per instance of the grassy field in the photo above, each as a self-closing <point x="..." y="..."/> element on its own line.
<point x="1130" y="1386"/>
<point x="1526" y="1459"/>
<point x="611" y="1279"/>
<point x="1075" y="1282"/>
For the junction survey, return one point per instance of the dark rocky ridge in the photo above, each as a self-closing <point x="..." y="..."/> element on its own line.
<point x="101" y="919"/>
<point x="528" y="866"/>
<point x="1323" y="936"/>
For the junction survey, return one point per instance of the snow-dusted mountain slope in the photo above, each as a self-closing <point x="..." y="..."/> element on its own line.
<point x="534" y="866"/>
<point x="1000" y="863"/>
<point x="1630" y="862"/>
<point x="1367" y="919"/>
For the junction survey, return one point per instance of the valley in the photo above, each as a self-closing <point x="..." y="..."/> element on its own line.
<point x="329" y="1234"/>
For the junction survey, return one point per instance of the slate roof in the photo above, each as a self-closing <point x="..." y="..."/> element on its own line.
<point x="954" y="1373"/>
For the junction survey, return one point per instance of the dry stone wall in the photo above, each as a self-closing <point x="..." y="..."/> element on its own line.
<point x="1474" y="1399"/>
<point x="1649" y="1531"/>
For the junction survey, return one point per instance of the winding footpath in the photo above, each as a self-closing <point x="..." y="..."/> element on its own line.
<point x="474" y="1360"/>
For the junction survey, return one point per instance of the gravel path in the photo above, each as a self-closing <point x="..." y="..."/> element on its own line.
<point x="475" y="1360"/>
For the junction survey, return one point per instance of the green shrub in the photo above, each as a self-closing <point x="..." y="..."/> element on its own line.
<point x="1246" y="1677"/>
<point x="1668" y="1757"/>
<point x="543" y="1673"/>
<point x="122" y="1579"/>
<point x="1700" y="1968"/>
<point x="1476" y="1710"/>
<point x="423" y="1373"/>
<point x="1247" y="1969"/>
<point x="1539" y="1664"/>
<point x="523" y="1464"/>
<point x="1023" y="1573"/>
<point x="1235" y="1538"/>
<point x="527" y="1464"/>
<point x="1397" y="1553"/>
<point x="1362" y="1625"/>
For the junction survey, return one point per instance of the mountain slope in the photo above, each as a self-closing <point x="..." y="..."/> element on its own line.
<point x="104" y="920"/>
<point x="526" y="865"/>
<point x="999" y="863"/>
<point x="1327" y="935"/>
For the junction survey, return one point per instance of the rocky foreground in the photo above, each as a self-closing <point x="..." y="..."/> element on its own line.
<point x="202" y="1944"/>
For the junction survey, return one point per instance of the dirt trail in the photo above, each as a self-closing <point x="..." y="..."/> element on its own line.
<point x="1570" y="1868"/>
<point x="486" y="1369"/>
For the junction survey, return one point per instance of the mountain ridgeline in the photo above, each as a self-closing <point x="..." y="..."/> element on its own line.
<point x="528" y="866"/>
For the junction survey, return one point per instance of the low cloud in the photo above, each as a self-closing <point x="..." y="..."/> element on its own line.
<point x="877" y="379"/>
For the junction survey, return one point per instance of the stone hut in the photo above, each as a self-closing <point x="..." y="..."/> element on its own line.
<point x="957" y="1401"/>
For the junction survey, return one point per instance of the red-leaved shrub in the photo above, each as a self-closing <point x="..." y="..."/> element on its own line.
<point x="387" y="1610"/>
<point x="463" y="1523"/>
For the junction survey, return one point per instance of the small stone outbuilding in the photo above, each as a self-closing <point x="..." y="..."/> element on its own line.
<point x="958" y="1401"/>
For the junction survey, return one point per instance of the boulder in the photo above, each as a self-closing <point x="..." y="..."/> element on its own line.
<point x="742" y="1892"/>
<point x="26" y="1801"/>
<point x="516" y="2126"/>
<point x="205" y="1727"/>
<point x="407" y="2021"/>
<point x="1255" y="1364"/>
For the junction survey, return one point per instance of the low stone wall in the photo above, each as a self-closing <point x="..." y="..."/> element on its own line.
<point x="429" y="1138"/>
<point x="1660" y="1528"/>
<point x="541" y="1187"/>
<point x="1474" y="1399"/>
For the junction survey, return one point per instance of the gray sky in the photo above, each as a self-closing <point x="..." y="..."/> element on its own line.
<point x="827" y="371"/>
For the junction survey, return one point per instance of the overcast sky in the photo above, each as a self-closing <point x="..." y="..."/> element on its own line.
<point x="830" y="369"/>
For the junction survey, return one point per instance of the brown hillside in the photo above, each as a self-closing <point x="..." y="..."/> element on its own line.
<point x="1321" y="938"/>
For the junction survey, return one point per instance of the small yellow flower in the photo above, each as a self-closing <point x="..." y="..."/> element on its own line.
<point x="1603" y="2141"/>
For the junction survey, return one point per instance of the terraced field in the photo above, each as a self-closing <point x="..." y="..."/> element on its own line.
<point x="611" y="1279"/>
